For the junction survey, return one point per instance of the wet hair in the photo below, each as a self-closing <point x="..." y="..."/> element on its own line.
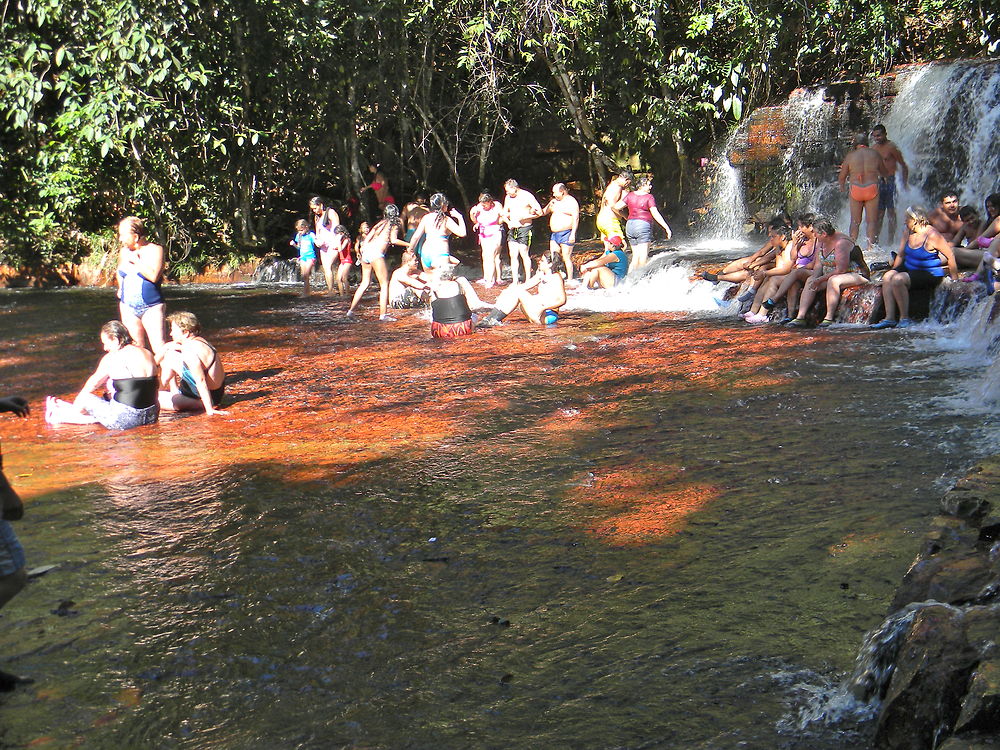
<point x="186" y="321"/>
<point x="858" y="256"/>
<point x="880" y="128"/>
<point x="420" y="197"/>
<point x="947" y="194"/>
<point x="918" y="215"/>
<point x="806" y="220"/>
<point x="341" y="229"/>
<point x="643" y="182"/>
<point x="319" y="201"/>
<point x="136" y="224"/>
<point x="440" y="204"/>
<point x="777" y="223"/>
<point x="391" y="214"/>
<point x="993" y="199"/>
<point x="302" y="225"/>
<point x="510" y="183"/>
<point x="116" y="331"/>
<point x="824" y="226"/>
<point x="861" y="139"/>
<point x="485" y="196"/>
<point x="555" y="260"/>
<point x="968" y="213"/>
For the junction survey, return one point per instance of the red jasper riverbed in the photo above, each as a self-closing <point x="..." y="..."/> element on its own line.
<point x="627" y="529"/>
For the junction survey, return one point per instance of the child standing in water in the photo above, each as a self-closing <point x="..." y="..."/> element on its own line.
<point x="305" y="241"/>
<point x="343" y="245"/>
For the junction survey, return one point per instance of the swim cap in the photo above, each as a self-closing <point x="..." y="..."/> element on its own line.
<point x="549" y="317"/>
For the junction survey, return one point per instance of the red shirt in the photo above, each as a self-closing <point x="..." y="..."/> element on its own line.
<point x="639" y="205"/>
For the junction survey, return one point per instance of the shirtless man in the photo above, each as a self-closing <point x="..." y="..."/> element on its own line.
<point x="564" y="220"/>
<point x="609" y="217"/>
<point x="862" y="167"/>
<point x="549" y="296"/>
<point x="892" y="160"/>
<point x="945" y="217"/>
<point x="520" y="208"/>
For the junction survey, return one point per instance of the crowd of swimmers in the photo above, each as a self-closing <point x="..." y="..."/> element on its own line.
<point x="423" y="231"/>
<point x="798" y="263"/>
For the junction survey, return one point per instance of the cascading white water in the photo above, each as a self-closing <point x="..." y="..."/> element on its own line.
<point x="728" y="214"/>
<point x="945" y="117"/>
<point x="946" y="121"/>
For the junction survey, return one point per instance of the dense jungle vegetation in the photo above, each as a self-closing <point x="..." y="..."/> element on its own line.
<point x="217" y="119"/>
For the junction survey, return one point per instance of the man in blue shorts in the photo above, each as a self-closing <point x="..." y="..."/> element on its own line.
<point x="564" y="220"/>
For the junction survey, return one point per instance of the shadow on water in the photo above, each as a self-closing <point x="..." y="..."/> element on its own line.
<point x="622" y="531"/>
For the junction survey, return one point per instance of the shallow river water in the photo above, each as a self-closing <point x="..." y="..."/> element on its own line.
<point x="628" y="530"/>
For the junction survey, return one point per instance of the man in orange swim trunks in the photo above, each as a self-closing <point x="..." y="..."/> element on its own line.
<point x="863" y="167"/>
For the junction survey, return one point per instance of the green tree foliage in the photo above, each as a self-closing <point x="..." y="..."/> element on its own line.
<point x="216" y="118"/>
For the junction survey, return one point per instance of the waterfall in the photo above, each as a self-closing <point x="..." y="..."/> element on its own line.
<point x="945" y="118"/>
<point x="858" y="697"/>
<point x="946" y="121"/>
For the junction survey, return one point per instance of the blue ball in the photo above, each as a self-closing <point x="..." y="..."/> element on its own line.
<point x="550" y="317"/>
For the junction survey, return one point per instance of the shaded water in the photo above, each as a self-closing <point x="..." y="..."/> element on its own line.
<point x="626" y="530"/>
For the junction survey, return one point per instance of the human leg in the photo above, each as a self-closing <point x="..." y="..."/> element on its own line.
<point x="153" y="322"/>
<point x="640" y="255"/>
<point x="342" y="284"/>
<point x="856" y="209"/>
<point x="871" y="220"/>
<point x="382" y="274"/>
<point x="305" y="271"/>
<point x="366" y="279"/>
<point x="132" y="323"/>
<point x="326" y="263"/>
<point x="58" y="411"/>
<point x="567" y="256"/>
<point x="835" y="286"/>
<point x="515" y="249"/>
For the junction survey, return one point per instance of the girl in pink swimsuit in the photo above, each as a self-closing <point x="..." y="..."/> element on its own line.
<point x="485" y="217"/>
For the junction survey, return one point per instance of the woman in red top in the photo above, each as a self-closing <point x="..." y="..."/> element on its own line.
<point x="642" y="211"/>
<point x="380" y="186"/>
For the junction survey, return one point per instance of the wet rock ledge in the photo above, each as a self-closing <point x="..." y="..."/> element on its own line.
<point x="944" y="685"/>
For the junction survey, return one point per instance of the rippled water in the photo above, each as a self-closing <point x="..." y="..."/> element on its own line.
<point x="632" y="529"/>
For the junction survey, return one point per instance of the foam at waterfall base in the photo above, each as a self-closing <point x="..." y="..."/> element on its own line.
<point x="662" y="287"/>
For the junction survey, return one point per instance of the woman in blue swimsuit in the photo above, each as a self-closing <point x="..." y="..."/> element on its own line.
<point x="924" y="259"/>
<point x="140" y="272"/>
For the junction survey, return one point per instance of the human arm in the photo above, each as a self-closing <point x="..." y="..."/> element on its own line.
<point x="842" y="176"/>
<point x="470" y="294"/>
<point x="575" y="216"/>
<point x="456" y="223"/>
<point x="943" y="247"/>
<point x="598" y="262"/>
<point x="99" y="377"/>
<point x="200" y="376"/>
<point x="655" y="213"/>
<point x="394" y="238"/>
<point x="15" y="404"/>
<point x="149" y="261"/>
<point x="903" y="166"/>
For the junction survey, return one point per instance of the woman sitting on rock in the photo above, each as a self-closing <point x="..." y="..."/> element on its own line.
<point x="841" y="266"/>
<point x="925" y="257"/>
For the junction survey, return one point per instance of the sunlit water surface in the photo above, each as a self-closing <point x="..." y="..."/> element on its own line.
<point x="631" y="529"/>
